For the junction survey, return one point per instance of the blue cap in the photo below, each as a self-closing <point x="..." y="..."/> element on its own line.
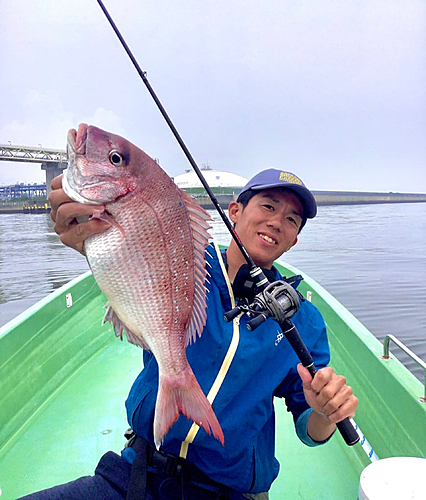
<point x="273" y="178"/>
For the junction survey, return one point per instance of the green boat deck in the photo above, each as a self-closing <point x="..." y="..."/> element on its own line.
<point x="86" y="417"/>
<point x="65" y="438"/>
<point x="64" y="380"/>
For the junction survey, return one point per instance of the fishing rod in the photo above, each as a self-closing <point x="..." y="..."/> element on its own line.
<point x="277" y="300"/>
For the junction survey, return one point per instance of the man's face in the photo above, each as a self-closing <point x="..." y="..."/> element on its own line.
<point x="268" y="225"/>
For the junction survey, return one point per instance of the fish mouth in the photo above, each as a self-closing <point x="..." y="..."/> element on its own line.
<point x="76" y="146"/>
<point x="77" y="139"/>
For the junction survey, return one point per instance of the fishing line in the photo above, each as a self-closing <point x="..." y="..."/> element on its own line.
<point x="273" y="300"/>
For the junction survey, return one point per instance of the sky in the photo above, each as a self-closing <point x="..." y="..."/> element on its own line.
<point x="332" y="91"/>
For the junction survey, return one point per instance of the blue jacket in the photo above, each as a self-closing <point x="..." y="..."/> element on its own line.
<point x="261" y="366"/>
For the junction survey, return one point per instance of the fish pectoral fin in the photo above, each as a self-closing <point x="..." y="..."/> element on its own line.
<point x="104" y="215"/>
<point x="120" y="327"/>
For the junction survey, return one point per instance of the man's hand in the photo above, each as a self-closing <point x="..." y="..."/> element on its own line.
<point x="331" y="399"/>
<point x="65" y="212"/>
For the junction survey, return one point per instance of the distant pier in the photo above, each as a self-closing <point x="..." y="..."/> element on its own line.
<point x="36" y="207"/>
<point x="331" y="198"/>
<point x="321" y="197"/>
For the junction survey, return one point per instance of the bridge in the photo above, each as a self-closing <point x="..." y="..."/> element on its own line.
<point x="53" y="161"/>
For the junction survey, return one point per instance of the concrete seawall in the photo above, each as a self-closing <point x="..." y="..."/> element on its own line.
<point x="333" y="198"/>
<point x="360" y="198"/>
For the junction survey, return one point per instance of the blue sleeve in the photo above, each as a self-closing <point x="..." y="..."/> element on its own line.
<point x="291" y="389"/>
<point x="302" y="430"/>
<point x="146" y="356"/>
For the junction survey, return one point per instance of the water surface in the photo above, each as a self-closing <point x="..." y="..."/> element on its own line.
<point x="370" y="257"/>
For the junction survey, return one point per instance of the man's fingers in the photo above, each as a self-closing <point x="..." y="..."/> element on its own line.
<point x="56" y="199"/>
<point x="56" y="182"/>
<point x="67" y="212"/>
<point x="76" y="234"/>
<point x="335" y="398"/>
<point x="340" y="398"/>
<point x="347" y="409"/>
<point x="305" y="376"/>
<point x="331" y="389"/>
<point x="322" y="378"/>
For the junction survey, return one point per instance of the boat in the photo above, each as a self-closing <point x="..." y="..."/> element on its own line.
<point x="64" y="379"/>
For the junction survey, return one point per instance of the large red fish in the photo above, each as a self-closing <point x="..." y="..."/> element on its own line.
<point x="150" y="264"/>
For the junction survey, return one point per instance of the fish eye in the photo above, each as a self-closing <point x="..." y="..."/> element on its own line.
<point x="116" y="158"/>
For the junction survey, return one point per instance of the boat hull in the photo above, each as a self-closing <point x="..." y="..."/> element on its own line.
<point x="64" y="380"/>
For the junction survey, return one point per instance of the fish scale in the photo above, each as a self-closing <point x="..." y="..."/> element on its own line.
<point x="150" y="264"/>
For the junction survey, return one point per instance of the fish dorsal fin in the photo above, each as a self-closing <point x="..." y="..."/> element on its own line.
<point x="199" y="220"/>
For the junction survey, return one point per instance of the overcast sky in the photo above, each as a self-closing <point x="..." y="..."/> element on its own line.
<point x="334" y="91"/>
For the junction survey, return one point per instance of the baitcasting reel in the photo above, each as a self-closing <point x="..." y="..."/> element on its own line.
<point x="279" y="301"/>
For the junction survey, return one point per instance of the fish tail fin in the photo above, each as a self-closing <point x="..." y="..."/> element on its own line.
<point x="183" y="396"/>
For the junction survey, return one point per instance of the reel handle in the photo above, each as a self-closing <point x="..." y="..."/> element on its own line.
<point x="258" y="320"/>
<point x="230" y="315"/>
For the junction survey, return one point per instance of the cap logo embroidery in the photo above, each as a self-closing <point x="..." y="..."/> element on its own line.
<point x="287" y="177"/>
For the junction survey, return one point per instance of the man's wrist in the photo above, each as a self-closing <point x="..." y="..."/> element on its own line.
<point x="319" y="427"/>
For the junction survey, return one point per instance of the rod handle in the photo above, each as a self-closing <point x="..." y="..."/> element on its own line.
<point x="348" y="432"/>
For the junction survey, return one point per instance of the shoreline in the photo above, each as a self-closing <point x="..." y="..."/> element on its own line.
<point x="27" y="210"/>
<point x="322" y="198"/>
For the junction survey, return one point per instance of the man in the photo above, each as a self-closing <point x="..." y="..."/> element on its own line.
<point x="241" y="371"/>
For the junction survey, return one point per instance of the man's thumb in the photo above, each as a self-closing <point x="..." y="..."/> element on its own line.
<point x="305" y="376"/>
